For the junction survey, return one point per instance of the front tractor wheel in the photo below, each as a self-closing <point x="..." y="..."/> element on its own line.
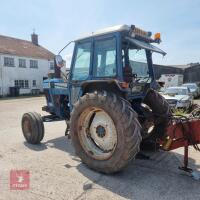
<point x="105" y="131"/>
<point x="32" y="127"/>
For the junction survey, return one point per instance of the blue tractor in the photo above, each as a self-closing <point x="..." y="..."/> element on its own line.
<point x="108" y="100"/>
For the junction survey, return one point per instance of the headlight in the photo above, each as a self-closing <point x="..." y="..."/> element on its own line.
<point x="183" y="101"/>
<point x="172" y="101"/>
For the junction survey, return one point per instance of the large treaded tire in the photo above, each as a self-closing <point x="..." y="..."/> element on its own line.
<point x="32" y="127"/>
<point x="126" y="123"/>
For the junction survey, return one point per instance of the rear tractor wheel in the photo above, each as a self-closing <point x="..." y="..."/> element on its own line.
<point x="105" y="131"/>
<point x="161" y="110"/>
<point x="32" y="127"/>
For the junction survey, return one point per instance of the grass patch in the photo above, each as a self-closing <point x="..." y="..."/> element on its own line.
<point x="177" y="111"/>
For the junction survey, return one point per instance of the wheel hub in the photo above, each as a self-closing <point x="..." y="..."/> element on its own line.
<point x="101" y="131"/>
<point x="98" y="135"/>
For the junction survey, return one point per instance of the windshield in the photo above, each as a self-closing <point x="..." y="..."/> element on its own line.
<point x="190" y="86"/>
<point x="176" y="91"/>
<point x="135" y="63"/>
<point x="138" y="62"/>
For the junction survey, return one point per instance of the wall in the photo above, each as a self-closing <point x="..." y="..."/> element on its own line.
<point x="192" y="74"/>
<point x="9" y="74"/>
<point x="161" y="69"/>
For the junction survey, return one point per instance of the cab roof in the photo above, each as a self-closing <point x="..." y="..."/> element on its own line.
<point x="143" y="41"/>
<point x="112" y="29"/>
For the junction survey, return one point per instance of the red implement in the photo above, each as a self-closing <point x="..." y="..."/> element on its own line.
<point x="182" y="134"/>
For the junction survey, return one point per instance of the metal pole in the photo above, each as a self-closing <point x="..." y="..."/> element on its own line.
<point x="186" y="155"/>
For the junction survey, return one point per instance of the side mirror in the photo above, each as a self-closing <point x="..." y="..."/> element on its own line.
<point x="161" y="83"/>
<point x="59" y="61"/>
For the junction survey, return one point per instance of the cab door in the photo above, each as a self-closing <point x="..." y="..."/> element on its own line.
<point x="80" y="70"/>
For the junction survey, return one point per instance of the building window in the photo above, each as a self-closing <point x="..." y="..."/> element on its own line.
<point x="16" y="83"/>
<point x="34" y="83"/>
<point x="22" y="84"/>
<point x="26" y="85"/>
<point x="9" y="62"/>
<point x="51" y="65"/>
<point x="22" y="63"/>
<point x="33" y="64"/>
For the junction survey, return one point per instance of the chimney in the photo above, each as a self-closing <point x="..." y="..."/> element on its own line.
<point x="34" y="38"/>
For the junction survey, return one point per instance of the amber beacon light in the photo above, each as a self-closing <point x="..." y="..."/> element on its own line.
<point x="157" y="36"/>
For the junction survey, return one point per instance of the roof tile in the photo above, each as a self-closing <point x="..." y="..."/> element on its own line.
<point x="14" y="46"/>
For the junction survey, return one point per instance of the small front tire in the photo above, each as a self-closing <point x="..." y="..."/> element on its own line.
<point x="32" y="127"/>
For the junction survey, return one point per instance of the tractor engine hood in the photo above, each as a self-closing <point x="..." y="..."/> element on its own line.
<point x="145" y="45"/>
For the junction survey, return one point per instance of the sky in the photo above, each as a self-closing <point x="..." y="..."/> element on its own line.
<point x="59" y="21"/>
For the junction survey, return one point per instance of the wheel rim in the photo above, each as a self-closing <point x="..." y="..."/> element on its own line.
<point x="97" y="133"/>
<point x="27" y="128"/>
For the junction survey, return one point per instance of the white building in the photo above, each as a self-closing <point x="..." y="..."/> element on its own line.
<point x="23" y="64"/>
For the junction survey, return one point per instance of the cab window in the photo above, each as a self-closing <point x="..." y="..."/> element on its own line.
<point x="105" y="58"/>
<point x="82" y="61"/>
<point x="138" y="62"/>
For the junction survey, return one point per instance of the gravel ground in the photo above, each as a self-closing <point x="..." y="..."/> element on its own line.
<point x="56" y="172"/>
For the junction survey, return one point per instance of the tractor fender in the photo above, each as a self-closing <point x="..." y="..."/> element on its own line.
<point x="100" y="85"/>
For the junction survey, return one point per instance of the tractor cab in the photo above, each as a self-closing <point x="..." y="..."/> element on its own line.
<point x="117" y="58"/>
